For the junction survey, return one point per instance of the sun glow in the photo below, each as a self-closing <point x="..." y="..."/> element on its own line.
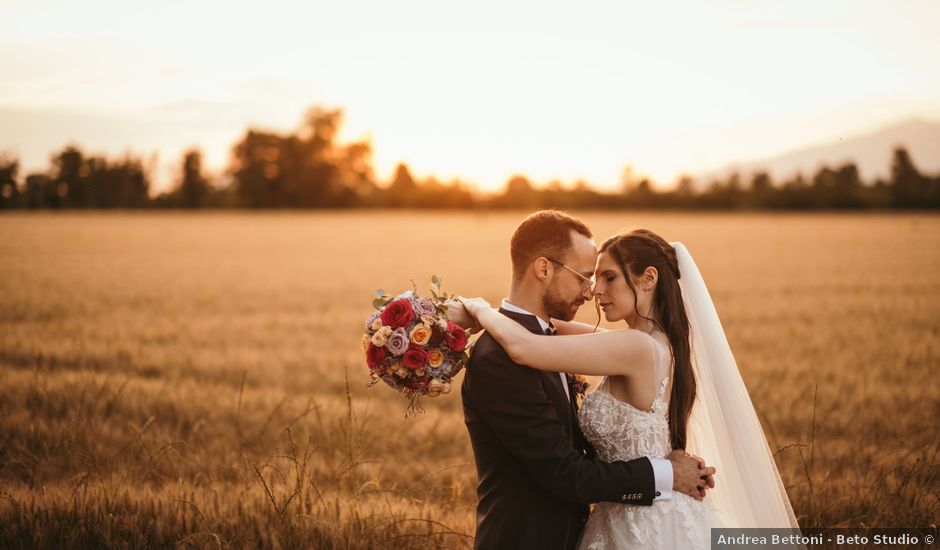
<point x="477" y="92"/>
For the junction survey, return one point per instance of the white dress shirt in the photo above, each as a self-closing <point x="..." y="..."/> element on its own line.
<point x="662" y="468"/>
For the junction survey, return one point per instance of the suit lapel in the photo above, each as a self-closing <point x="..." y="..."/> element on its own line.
<point x="530" y="322"/>
<point x="559" y="389"/>
<point x="564" y="407"/>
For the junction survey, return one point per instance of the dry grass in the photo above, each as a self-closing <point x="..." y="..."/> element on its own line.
<point x="173" y="379"/>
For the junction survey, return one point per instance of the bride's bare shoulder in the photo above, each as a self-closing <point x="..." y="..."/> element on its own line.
<point x="634" y="346"/>
<point x="633" y="335"/>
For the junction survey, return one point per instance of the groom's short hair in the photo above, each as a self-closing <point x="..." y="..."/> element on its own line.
<point x="544" y="233"/>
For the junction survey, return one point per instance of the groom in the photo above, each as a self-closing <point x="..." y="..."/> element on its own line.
<point x="537" y="473"/>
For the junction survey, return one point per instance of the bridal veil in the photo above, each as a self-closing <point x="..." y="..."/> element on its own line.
<point x="723" y="427"/>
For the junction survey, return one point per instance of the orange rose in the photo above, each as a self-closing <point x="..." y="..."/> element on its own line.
<point x="421" y="334"/>
<point x="435" y="358"/>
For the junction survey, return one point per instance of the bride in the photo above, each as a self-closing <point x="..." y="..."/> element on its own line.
<point x="670" y="382"/>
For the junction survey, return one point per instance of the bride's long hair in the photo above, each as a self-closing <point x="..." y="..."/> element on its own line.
<point x="634" y="252"/>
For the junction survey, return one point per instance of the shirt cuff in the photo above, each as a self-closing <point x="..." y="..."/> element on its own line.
<point x="662" y="472"/>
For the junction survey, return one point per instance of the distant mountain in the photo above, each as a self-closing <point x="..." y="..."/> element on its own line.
<point x="870" y="152"/>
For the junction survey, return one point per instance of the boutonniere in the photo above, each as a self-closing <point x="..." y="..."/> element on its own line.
<point x="578" y="385"/>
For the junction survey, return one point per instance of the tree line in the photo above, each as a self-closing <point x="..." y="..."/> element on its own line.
<point x="310" y="168"/>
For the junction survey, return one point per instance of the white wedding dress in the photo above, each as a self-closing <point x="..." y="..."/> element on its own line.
<point x="723" y="429"/>
<point x="619" y="431"/>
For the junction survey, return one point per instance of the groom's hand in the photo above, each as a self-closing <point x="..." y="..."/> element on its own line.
<point x="690" y="475"/>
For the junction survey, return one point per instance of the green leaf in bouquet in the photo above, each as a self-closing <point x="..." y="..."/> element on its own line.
<point x="379" y="303"/>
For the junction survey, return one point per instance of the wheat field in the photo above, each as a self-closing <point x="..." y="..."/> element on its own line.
<point x="196" y="380"/>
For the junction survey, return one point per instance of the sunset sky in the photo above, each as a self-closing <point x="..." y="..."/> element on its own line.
<point x="476" y="90"/>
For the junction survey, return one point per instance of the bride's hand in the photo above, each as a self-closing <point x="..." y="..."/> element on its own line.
<point x="474" y="305"/>
<point x="459" y="315"/>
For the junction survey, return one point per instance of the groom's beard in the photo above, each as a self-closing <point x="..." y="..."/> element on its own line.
<point x="558" y="308"/>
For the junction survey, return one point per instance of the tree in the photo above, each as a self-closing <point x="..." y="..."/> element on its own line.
<point x="95" y="182"/>
<point x="519" y="193"/>
<point x="761" y="192"/>
<point x="194" y="187"/>
<point x="355" y="170"/>
<point x="403" y="190"/>
<point x="43" y="192"/>
<point x="724" y="195"/>
<point x="9" y="192"/>
<point x="848" y="187"/>
<point x="307" y="169"/>
<point x="257" y="171"/>
<point x="628" y="179"/>
<point x="68" y="171"/>
<point x="432" y="193"/>
<point x="824" y="188"/>
<point x="402" y="181"/>
<point x="909" y="188"/>
<point x="641" y="195"/>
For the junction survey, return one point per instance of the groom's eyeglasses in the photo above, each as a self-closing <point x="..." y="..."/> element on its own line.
<point x="586" y="282"/>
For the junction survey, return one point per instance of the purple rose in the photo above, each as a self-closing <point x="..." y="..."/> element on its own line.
<point x="424" y="307"/>
<point x="398" y="342"/>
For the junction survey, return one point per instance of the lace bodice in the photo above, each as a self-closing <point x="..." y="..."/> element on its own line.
<point x="620" y="431"/>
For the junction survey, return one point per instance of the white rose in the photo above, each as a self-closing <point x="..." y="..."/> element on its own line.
<point x="380" y="337"/>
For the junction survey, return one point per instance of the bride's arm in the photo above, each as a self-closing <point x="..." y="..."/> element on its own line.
<point x="569" y="328"/>
<point x="598" y="354"/>
<point x="457" y="313"/>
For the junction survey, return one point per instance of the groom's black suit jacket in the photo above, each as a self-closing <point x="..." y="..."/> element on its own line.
<point x="537" y="474"/>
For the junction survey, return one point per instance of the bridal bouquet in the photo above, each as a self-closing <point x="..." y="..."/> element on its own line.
<point x="411" y="345"/>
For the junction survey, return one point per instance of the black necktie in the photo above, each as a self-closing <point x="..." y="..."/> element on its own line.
<point x="550" y="331"/>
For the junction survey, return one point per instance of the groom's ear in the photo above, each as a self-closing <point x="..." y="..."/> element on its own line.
<point x="542" y="268"/>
